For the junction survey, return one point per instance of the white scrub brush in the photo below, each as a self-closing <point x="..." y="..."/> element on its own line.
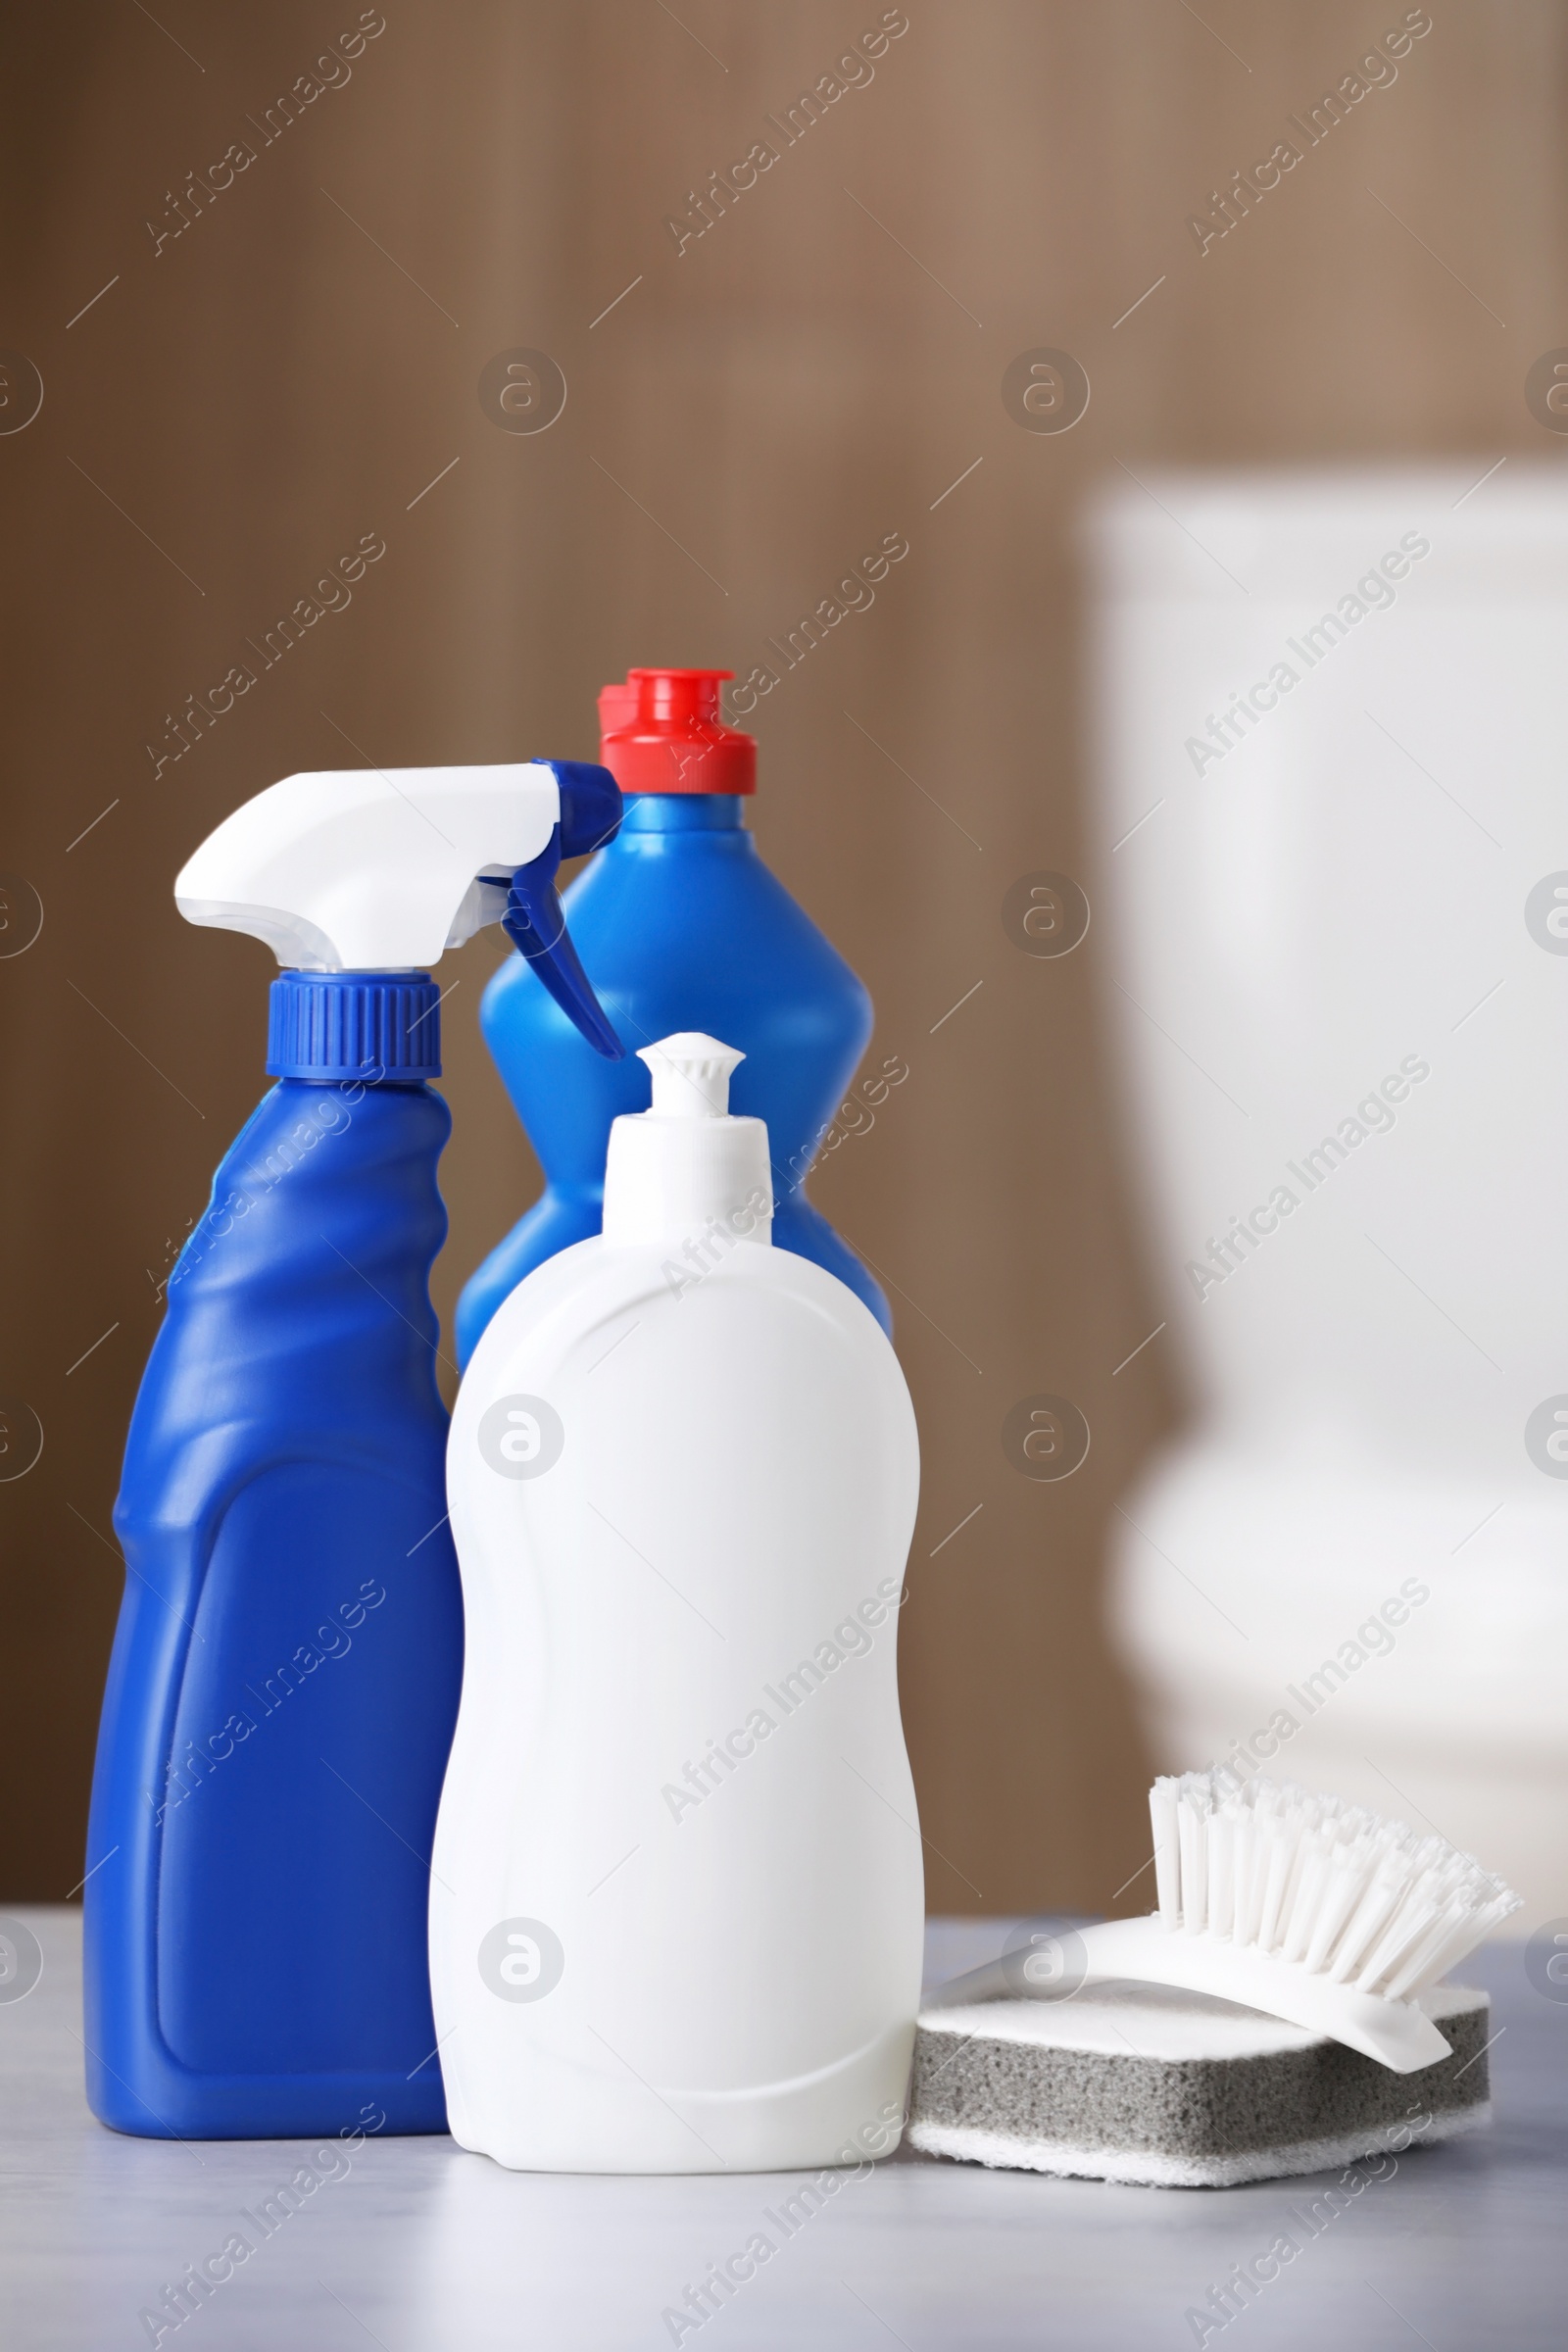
<point x="1304" y="1907"/>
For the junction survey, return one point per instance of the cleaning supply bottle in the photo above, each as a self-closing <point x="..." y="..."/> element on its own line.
<point x="676" y="1894"/>
<point x="286" y="1669"/>
<point x="683" y="928"/>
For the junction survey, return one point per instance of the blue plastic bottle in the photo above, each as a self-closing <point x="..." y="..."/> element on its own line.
<point x="682" y="927"/>
<point x="287" y="1671"/>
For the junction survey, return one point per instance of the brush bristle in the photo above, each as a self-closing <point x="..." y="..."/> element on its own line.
<point x="1357" y="1899"/>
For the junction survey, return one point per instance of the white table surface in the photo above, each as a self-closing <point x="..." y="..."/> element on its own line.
<point x="420" y="2247"/>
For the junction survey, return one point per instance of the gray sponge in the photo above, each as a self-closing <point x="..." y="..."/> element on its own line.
<point x="1137" y="2082"/>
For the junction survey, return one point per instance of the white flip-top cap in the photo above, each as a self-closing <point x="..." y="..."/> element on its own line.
<point x="691" y="1075"/>
<point x="685" y="1171"/>
<point x="371" y="870"/>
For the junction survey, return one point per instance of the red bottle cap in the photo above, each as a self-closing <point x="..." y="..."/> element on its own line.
<point x="662" y="732"/>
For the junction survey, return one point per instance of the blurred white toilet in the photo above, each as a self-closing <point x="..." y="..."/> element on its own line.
<point x="1337" y="911"/>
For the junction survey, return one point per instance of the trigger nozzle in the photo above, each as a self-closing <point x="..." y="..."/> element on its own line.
<point x="535" y="922"/>
<point x="591" y="807"/>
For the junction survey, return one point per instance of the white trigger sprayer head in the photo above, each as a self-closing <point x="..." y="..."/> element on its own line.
<point x="370" y="870"/>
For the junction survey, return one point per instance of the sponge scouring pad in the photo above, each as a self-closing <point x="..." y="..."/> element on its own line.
<point x="1143" y="2084"/>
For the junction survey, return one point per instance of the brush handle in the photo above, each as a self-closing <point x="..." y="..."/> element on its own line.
<point x="1397" y="2033"/>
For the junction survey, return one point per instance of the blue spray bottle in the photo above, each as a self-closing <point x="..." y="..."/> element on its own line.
<point x="683" y="928"/>
<point x="285" y="1674"/>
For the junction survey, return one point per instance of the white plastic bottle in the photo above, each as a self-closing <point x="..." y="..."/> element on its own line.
<point x="678" y="1896"/>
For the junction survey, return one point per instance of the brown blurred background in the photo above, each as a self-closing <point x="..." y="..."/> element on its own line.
<point x="242" y="402"/>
